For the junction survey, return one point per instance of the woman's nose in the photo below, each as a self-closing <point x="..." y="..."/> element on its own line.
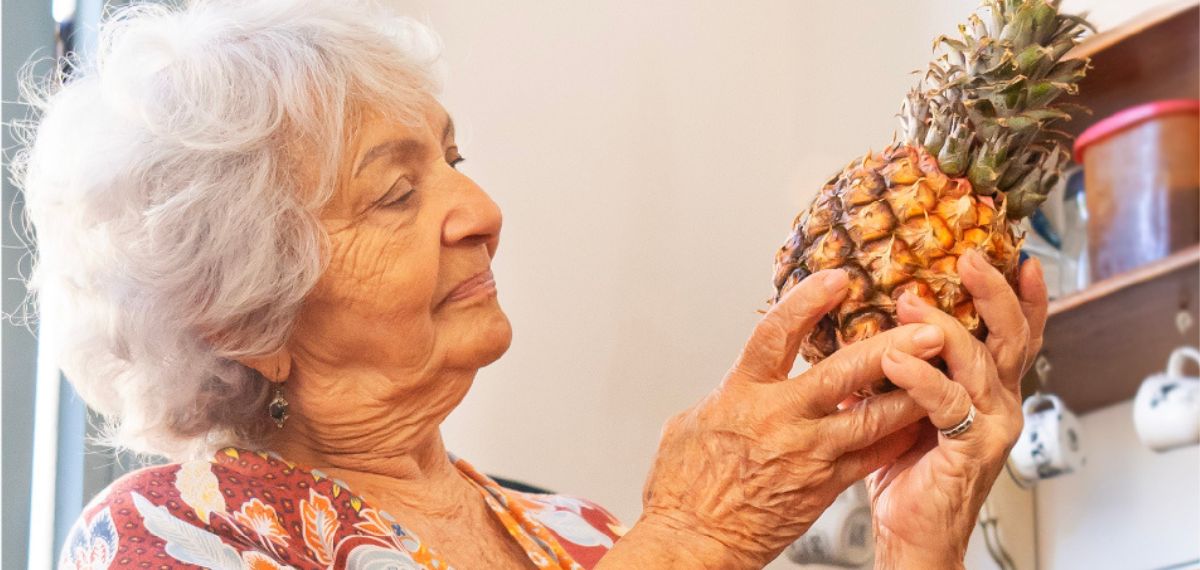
<point x="474" y="219"/>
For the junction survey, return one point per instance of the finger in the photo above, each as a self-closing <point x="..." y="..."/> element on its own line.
<point x="829" y="382"/>
<point x="869" y="421"/>
<point x="968" y="360"/>
<point x="858" y="464"/>
<point x="945" y="401"/>
<point x="997" y="303"/>
<point x="1034" y="304"/>
<point x="771" y="351"/>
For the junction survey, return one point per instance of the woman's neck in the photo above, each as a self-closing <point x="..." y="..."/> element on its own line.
<point x="389" y="450"/>
<point x="379" y="431"/>
<point x="417" y="475"/>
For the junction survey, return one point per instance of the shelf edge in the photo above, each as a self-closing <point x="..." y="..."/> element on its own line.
<point x="1101" y="289"/>
<point x="1148" y="19"/>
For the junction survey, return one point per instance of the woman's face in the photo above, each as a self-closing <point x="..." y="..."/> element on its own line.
<point x="408" y="292"/>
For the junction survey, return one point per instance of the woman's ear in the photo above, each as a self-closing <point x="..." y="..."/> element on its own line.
<point x="275" y="367"/>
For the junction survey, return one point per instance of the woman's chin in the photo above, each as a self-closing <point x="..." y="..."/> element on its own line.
<point x="499" y="338"/>
<point x="485" y="338"/>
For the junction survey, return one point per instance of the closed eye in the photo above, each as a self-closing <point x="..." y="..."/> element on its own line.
<point x="401" y="200"/>
<point x="402" y="190"/>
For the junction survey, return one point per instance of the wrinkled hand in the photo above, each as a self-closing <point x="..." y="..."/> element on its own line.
<point x="748" y="470"/>
<point x="926" y="503"/>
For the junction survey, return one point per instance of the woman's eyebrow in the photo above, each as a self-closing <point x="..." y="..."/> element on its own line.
<point x="399" y="150"/>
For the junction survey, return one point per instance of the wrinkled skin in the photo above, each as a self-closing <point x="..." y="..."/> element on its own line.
<point x="925" y="504"/>
<point x="748" y="469"/>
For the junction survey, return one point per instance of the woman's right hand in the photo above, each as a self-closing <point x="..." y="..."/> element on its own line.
<point x="746" y="471"/>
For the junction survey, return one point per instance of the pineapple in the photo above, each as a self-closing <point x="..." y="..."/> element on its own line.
<point x="977" y="154"/>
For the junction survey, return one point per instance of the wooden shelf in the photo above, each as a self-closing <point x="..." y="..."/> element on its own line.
<point x="1152" y="57"/>
<point x="1103" y="341"/>
<point x="1140" y="24"/>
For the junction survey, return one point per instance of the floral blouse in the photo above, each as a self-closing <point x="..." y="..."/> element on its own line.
<point x="258" y="511"/>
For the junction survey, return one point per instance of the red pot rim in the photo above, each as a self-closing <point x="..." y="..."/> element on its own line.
<point x="1130" y="117"/>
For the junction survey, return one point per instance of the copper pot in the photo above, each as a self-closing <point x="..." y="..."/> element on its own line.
<point x="1142" y="180"/>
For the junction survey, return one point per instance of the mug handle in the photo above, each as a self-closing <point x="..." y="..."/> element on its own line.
<point x="1175" y="363"/>
<point x="1033" y="401"/>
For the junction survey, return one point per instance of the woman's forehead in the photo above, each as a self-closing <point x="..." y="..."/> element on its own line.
<point x="430" y="117"/>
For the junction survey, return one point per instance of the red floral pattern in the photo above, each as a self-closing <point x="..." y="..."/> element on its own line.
<point x="257" y="510"/>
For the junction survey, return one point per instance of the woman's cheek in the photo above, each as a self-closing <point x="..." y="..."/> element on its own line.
<point x="380" y="269"/>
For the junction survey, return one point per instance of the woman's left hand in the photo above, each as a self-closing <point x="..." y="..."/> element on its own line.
<point x="926" y="503"/>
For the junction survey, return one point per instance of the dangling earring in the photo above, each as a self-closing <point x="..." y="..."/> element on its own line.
<point x="278" y="408"/>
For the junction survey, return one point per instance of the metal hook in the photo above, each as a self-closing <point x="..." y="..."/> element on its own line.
<point x="1042" y="367"/>
<point x="1184" y="321"/>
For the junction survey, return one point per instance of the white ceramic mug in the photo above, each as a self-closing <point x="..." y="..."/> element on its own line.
<point x="1166" y="411"/>
<point x="842" y="536"/>
<point x="1050" y="444"/>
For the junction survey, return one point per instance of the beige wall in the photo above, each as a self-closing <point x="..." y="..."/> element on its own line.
<point x="649" y="158"/>
<point x="1128" y="508"/>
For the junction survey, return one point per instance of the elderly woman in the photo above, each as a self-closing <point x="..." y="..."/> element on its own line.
<point x="267" y="269"/>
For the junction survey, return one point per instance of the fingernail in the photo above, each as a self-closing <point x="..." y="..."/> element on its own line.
<point x="907" y="298"/>
<point x="928" y="336"/>
<point x="976" y="259"/>
<point x="834" y="280"/>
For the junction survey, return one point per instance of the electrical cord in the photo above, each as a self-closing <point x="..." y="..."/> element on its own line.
<point x="991" y="538"/>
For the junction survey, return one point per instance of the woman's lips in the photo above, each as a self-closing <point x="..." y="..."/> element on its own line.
<point x="479" y="284"/>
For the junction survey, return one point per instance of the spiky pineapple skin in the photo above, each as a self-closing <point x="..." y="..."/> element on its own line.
<point x="895" y="223"/>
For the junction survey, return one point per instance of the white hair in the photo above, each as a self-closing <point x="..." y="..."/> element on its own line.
<point x="173" y="184"/>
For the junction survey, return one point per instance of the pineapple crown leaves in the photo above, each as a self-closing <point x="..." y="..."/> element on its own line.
<point x="986" y="107"/>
